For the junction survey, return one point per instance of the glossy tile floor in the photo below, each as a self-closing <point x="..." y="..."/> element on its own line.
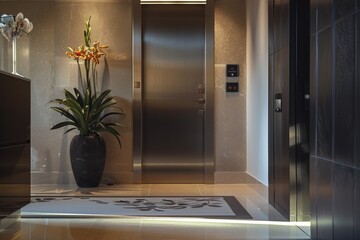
<point x="267" y="223"/>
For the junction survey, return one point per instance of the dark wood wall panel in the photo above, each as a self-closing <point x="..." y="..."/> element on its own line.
<point x="271" y="26"/>
<point x="281" y="133"/>
<point x="357" y="96"/>
<point x="313" y="196"/>
<point x="313" y="95"/>
<point x="325" y="96"/>
<point x="324" y="11"/>
<point x="271" y="131"/>
<point x="357" y="206"/>
<point x="344" y="90"/>
<point x="278" y="121"/>
<point x="343" y="206"/>
<point x="281" y="24"/>
<point x="343" y="8"/>
<point x="324" y="193"/>
<point x="289" y="78"/>
<point x="313" y="20"/>
<point x="334" y="189"/>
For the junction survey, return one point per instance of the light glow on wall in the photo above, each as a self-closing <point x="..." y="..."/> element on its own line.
<point x="173" y="1"/>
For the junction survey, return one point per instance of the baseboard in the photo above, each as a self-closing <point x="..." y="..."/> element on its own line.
<point x="52" y="178"/>
<point x="229" y="177"/>
<point x="242" y="178"/>
<point x="68" y="178"/>
<point x="118" y="178"/>
<point x="257" y="186"/>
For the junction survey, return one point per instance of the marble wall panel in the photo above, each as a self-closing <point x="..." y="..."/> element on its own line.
<point x="230" y="108"/>
<point x="41" y="54"/>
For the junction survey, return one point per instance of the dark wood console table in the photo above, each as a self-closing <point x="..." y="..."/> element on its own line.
<point x="14" y="143"/>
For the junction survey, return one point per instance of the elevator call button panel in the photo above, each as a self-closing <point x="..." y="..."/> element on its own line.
<point x="232" y="70"/>
<point x="232" y="87"/>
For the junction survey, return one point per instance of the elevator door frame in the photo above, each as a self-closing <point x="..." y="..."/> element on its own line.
<point x="209" y="92"/>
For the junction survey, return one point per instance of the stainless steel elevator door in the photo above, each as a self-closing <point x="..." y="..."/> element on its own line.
<point x="173" y="40"/>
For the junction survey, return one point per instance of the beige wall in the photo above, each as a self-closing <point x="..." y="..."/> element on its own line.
<point x="59" y="24"/>
<point x="230" y="108"/>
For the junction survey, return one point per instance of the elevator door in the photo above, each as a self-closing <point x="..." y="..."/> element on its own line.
<point x="173" y="43"/>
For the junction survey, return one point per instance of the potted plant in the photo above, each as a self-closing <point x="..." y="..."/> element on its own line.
<point x="86" y="110"/>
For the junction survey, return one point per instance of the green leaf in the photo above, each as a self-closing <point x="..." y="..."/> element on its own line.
<point x="76" y="110"/>
<point x="113" y="124"/>
<point x="87" y="98"/>
<point x="99" y="99"/>
<point x="102" y="107"/>
<point x="109" y="114"/>
<point x="114" y="132"/>
<point x="79" y="97"/>
<point x="73" y="105"/>
<point x="57" y="101"/>
<point x="63" y="124"/>
<point x="64" y="112"/>
<point x="69" y="95"/>
<point x="69" y="130"/>
<point x="76" y="117"/>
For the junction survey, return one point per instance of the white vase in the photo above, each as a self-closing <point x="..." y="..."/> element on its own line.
<point x="14" y="71"/>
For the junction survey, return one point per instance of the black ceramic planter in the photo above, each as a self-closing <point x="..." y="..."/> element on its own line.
<point x="87" y="155"/>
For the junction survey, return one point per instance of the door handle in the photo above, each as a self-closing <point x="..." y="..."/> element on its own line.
<point x="201" y="101"/>
<point x="278" y="102"/>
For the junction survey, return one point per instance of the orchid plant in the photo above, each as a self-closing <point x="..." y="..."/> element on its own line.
<point x="14" y="27"/>
<point x="85" y="108"/>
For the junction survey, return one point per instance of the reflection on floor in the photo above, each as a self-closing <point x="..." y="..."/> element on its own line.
<point x="267" y="223"/>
